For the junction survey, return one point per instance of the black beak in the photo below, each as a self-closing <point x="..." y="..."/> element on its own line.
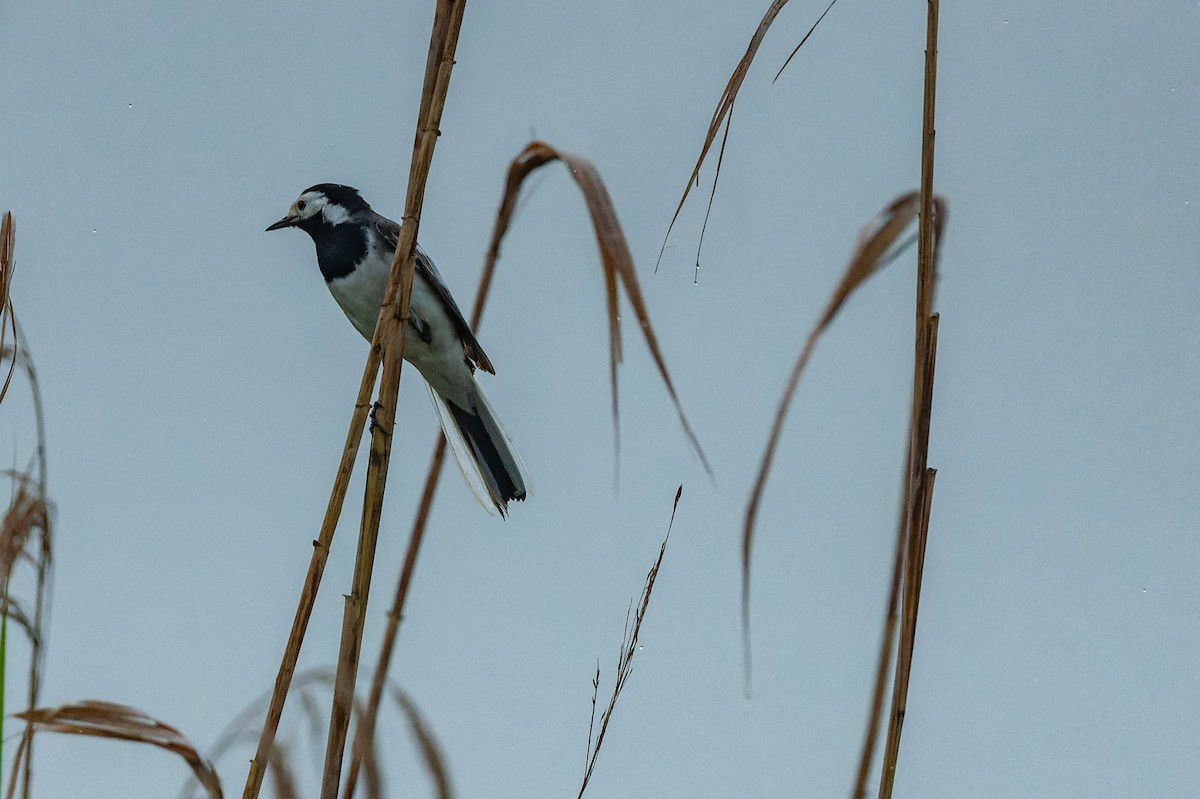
<point x="287" y="221"/>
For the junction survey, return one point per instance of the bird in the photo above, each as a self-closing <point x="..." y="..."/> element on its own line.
<point x="355" y="246"/>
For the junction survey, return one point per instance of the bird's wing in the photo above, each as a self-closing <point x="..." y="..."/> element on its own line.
<point x="425" y="269"/>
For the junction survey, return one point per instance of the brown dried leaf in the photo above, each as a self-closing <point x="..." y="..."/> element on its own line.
<point x="874" y="250"/>
<point x="8" y="321"/>
<point x="725" y="107"/>
<point x="724" y="104"/>
<point x="27" y="518"/>
<point x="615" y="259"/>
<point x="108" y="720"/>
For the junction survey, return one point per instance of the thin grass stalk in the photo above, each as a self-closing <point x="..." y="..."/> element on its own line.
<point x="924" y="361"/>
<point x="8" y="319"/>
<point x="312" y="580"/>
<point x="7" y="237"/>
<point x="888" y="636"/>
<point x="918" y="488"/>
<point x="38" y="655"/>
<point x="792" y="55"/>
<point x="725" y="108"/>
<point x="19" y="353"/>
<point x="724" y="104"/>
<point x="439" y="65"/>
<point x="918" y="532"/>
<point x="45" y="564"/>
<point x="26" y="736"/>
<point x="629" y="646"/>
<point x="914" y="569"/>
<point x="712" y="195"/>
<point x="356" y="601"/>
<point x="3" y="667"/>
<point x="913" y="515"/>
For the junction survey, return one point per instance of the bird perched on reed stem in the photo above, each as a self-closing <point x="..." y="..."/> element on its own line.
<point x="355" y="247"/>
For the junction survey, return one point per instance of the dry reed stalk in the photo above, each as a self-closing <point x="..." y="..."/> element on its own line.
<point x="625" y="656"/>
<point x="107" y="720"/>
<point x="316" y="569"/>
<point x="437" y="70"/>
<point x="44" y="560"/>
<point x="908" y="560"/>
<point x="364" y="733"/>
<point x="617" y="264"/>
<point x="920" y="476"/>
<point x="439" y="65"/>
<point x="914" y="566"/>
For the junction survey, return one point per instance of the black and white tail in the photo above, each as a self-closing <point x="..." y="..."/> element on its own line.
<point x="485" y="454"/>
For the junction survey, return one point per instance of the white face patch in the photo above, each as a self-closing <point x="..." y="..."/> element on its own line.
<point x="334" y="213"/>
<point x="307" y="205"/>
<point x="312" y="203"/>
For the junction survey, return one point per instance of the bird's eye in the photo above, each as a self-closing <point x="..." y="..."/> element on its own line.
<point x="300" y="205"/>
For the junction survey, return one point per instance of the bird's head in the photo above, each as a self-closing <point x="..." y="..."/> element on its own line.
<point x="326" y="204"/>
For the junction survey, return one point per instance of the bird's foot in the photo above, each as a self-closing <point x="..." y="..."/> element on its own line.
<point x="376" y="424"/>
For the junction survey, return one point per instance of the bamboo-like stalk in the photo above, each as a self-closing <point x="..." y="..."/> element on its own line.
<point x="439" y="64"/>
<point x="924" y="361"/>
<point x="914" y="565"/>
<point x="384" y="331"/>
<point x="914" y="569"/>
<point x="364" y="732"/>
<point x="918" y="477"/>
<point x="312" y="580"/>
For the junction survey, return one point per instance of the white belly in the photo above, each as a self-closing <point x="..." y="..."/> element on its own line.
<point x="441" y="360"/>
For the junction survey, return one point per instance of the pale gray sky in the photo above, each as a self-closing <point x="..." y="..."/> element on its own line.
<point x="198" y="382"/>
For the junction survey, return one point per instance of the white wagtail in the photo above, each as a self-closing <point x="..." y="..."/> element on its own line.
<point x="355" y="247"/>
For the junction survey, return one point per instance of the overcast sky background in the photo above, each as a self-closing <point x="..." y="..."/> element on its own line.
<point x="198" y="382"/>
